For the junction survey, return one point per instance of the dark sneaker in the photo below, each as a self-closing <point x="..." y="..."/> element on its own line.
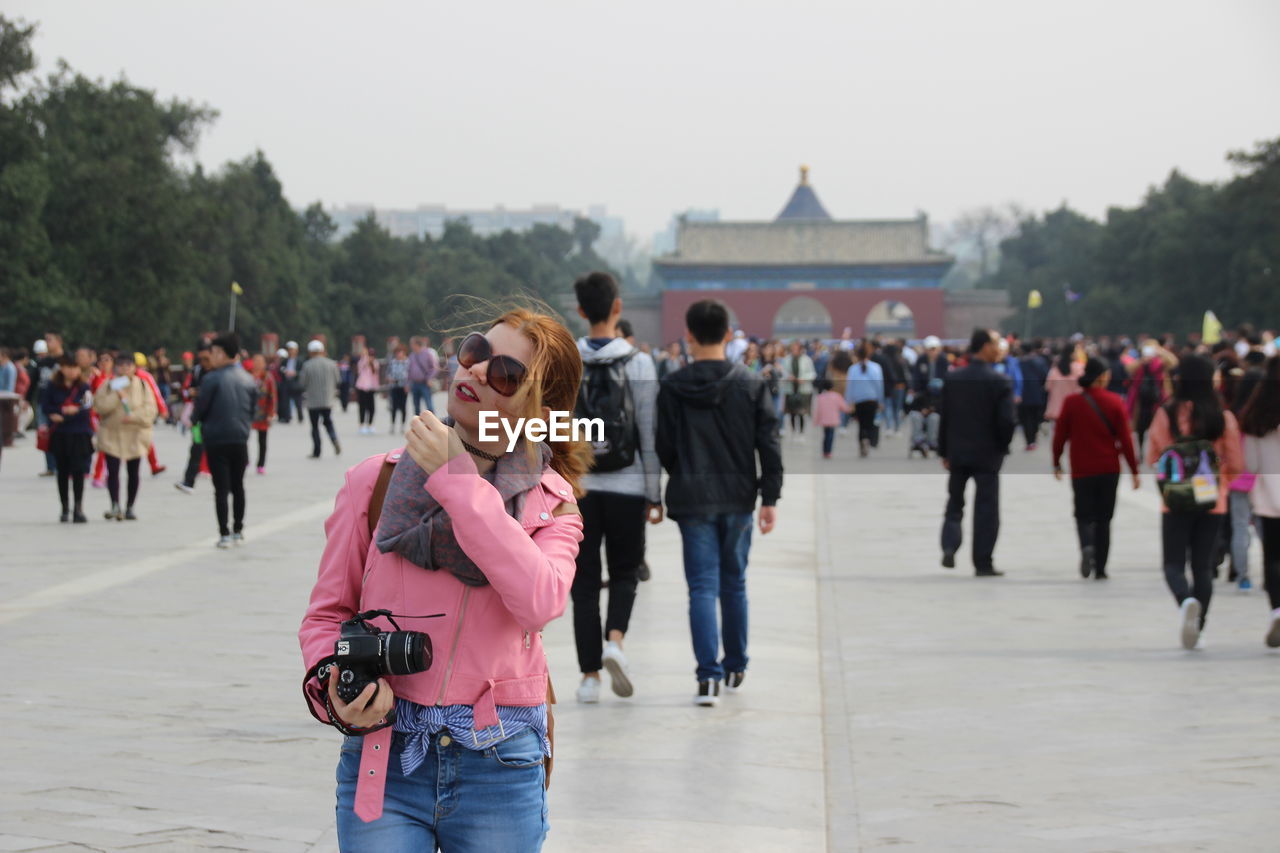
<point x="1100" y="575"/>
<point x="988" y="573"/>
<point x="129" y="516"/>
<point x="78" y="517"/>
<point x="708" y="693"/>
<point x="733" y="681"/>
<point x="337" y="449"/>
<point x="948" y="559"/>
<point x="65" y="518"/>
<point x="1086" y="561"/>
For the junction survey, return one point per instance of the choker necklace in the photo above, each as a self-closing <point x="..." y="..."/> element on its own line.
<point x="475" y="451"/>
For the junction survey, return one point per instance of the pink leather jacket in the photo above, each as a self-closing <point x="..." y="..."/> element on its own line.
<point x="487" y="646"/>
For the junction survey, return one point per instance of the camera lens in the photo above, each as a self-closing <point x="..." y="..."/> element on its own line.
<point x="405" y="653"/>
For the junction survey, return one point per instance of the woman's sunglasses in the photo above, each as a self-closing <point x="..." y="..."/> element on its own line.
<point x="504" y="374"/>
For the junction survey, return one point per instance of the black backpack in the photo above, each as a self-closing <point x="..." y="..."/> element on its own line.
<point x="605" y="393"/>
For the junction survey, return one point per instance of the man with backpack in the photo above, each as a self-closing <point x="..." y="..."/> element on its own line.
<point x="619" y="387"/>
<point x="718" y="440"/>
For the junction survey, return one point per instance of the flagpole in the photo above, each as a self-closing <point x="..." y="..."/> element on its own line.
<point x="231" y="324"/>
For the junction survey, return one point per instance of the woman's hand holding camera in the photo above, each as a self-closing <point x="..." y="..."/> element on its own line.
<point x="369" y="708"/>
<point x="430" y="443"/>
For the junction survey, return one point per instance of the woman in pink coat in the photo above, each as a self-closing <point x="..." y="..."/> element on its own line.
<point x="1063" y="380"/>
<point x="475" y="547"/>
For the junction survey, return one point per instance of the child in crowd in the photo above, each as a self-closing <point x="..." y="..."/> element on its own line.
<point x="831" y="404"/>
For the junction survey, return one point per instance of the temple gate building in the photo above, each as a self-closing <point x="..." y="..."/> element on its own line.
<point x="808" y="275"/>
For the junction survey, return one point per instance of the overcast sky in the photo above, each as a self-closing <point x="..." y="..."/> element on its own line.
<point x="654" y="107"/>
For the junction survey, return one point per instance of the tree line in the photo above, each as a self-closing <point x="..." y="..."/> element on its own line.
<point x="1155" y="268"/>
<point x="107" y="236"/>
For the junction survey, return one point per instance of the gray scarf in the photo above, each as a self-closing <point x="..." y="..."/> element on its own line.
<point x="415" y="526"/>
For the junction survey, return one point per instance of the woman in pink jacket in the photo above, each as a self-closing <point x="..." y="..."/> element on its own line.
<point x="1063" y="380"/>
<point x="475" y="547"/>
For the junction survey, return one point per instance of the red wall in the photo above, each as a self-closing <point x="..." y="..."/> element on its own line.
<point x="756" y="309"/>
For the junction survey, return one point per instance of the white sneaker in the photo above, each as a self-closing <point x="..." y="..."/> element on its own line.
<point x="1190" y="623"/>
<point x="1273" y="635"/>
<point x="223" y="542"/>
<point x="616" y="663"/>
<point x="237" y="538"/>
<point x="589" y="690"/>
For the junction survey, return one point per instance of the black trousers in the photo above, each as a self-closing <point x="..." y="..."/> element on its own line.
<point x="113" y="479"/>
<point x="618" y="521"/>
<point x="325" y="415"/>
<point x="986" y="513"/>
<point x="364" y="399"/>
<point x="399" y="403"/>
<point x="227" y="463"/>
<point x="1030" y="416"/>
<point x="865" y="412"/>
<point x="1095" y="499"/>
<point x="262" y="448"/>
<point x="1271" y="557"/>
<point x="193" y="464"/>
<point x="1194" y="534"/>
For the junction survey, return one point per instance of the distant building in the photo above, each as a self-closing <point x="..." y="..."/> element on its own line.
<point x="430" y="219"/>
<point x="808" y="275"/>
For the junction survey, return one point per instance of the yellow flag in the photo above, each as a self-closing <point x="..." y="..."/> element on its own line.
<point x="1211" y="333"/>
<point x="237" y="289"/>
<point x="1034" y="299"/>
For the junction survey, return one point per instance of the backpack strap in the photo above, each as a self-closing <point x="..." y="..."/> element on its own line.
<point x="380" y="492"/>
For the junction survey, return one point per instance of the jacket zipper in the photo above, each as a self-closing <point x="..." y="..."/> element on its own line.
<point x="527" y="639"/>
<point x="453" y="650"/>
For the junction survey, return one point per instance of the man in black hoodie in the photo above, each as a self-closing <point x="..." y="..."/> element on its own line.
<point x="714" y="418"/>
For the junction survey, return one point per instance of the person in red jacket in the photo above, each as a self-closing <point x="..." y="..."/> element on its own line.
<point x="1096" y="426"/>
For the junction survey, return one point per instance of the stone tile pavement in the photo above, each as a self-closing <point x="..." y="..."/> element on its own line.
<point x="152" y="701"/>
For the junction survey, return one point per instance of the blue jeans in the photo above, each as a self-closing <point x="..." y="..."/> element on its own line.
<point x="490" y="801"/>
<point x="715" y="567"/>
<point x="421" y="394"/>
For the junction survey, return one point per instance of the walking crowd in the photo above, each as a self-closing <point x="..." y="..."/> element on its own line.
<point x="86" y="402"/>
<point x="1202" y="417"/>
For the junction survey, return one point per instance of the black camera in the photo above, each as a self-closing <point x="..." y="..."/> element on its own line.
<point x="364" y="653"/>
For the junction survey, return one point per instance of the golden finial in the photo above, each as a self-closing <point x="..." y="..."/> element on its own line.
<point x="804" y="176"/>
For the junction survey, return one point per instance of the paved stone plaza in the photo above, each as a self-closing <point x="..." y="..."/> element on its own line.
<point x="151" y="696"/>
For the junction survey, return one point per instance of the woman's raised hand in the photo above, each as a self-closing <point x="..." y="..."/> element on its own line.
<point x="430" y="443"/>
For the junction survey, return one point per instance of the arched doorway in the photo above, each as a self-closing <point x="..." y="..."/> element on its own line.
<point x="892" y="319"/>
<point x="802" y="317"/>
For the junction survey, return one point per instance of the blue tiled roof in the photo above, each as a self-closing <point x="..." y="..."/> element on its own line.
<point x="804" y="203"/>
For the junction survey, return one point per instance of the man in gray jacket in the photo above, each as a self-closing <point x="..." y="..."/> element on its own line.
<point x="224" y="409"/>
<point x="320" y="379"/>
<point x="620" y="383"/>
